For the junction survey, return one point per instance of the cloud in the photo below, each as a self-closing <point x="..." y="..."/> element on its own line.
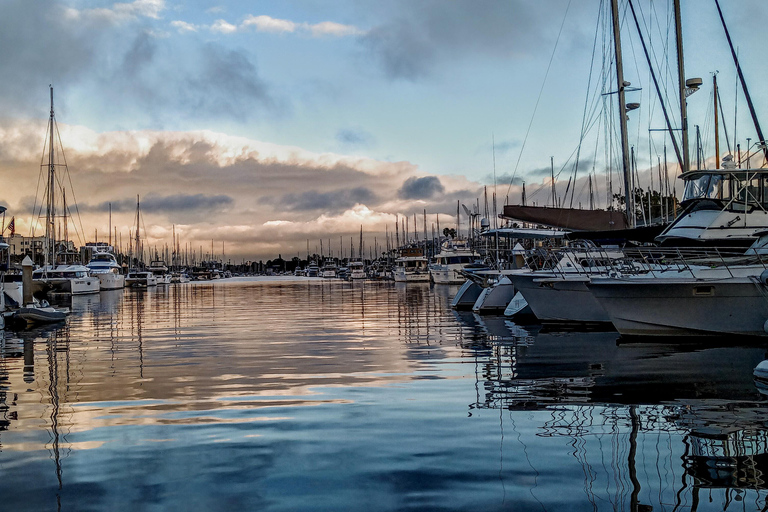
<point x="422" y="35"/>
<point x="183" y="26"/>
<point x="330" y="28"/>
<point x="268" y="24"/>
<point x="122" y="12"/>
<point x="260" y="198"/>
<point x="334" y="201"/>
<point x="228" y="82"/>
<point x="354" y="137"/>
<point x="46" y="47"/>
<point x="421" y="188"/>
<point x="164" y="204"/>
<point x="500" y="147"/>
<point x="223" y="27"/>
<point x="503" y="179"/>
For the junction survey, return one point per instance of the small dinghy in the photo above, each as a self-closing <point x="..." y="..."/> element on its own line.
<point x="41" y="313"/>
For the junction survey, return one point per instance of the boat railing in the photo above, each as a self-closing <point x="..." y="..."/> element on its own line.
<point x="686" y="259"/>
<point x="564" y="262"/>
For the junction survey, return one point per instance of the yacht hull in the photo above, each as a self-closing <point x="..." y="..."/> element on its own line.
<point x="73" y="286"/>
<point x="411" y="277"/>
<point x="444" y="274"/>
<point x="686" y="307"/>
<point x="560" y="299"/>
<point x="467" y="295"/>
<point x="496" y="298"/>
<point x="110" y="281"/>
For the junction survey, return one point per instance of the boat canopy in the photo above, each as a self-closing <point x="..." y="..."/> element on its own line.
<point x="734" y="188"/>
<point x="530" y="233"/>
<point x="567" y="218"/>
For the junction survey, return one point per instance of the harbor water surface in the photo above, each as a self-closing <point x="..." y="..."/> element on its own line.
<point x="252" y="394"/>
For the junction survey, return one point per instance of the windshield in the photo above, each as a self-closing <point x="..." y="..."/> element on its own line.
<point x="708" y="186"/>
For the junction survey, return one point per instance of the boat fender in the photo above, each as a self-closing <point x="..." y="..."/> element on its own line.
<point x="764" y="277"/>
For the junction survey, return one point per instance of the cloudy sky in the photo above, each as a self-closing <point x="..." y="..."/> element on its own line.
<point x="265" y="124"/>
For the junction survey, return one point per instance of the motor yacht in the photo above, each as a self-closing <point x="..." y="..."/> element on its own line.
<point x="104" y="265"/>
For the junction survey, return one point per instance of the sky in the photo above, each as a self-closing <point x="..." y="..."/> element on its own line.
<point x="267" y="126"/>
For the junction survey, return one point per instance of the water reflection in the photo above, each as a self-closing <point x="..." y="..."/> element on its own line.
<point x="656" y="405"/>
<point x="329" y="395"/>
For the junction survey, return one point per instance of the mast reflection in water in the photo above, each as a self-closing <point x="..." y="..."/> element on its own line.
<point x="320" y="395"/>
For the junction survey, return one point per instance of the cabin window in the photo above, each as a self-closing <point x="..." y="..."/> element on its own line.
<point x="700" y="291"/>
<point x="748" y="194"/>
<point x="697" y="188"/>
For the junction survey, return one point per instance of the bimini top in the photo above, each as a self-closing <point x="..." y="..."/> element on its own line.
<point x="533" y="233"/>
<point x="697" y="173"/>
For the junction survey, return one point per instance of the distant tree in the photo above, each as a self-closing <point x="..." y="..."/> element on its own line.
<point x="659" y="205"/>
<point x="449" y="232"/>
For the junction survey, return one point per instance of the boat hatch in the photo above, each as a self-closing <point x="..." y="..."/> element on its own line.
<point x="703" y="291"/>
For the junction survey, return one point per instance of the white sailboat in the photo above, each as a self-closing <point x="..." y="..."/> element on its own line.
<point x="66" y="276"/>
<point x="138" y="276"/>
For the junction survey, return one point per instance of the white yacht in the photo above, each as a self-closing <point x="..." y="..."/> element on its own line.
<point x="69" y="279"/>
<point x="179" y="277"/>
<point x="691" y="298"/>
<point x="160" y="270"/>
<point x="411" y="267"/>
<point x="453" y="257"/>
<point x="140" y="279"/>
<point x="559" y="292"/>
<point x="357" y="270"/>
<point x="104" y="265"/>
<point x="329" y="270"/>
<point x="721" y="208"/>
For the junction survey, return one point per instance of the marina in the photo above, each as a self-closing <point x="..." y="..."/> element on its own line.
<point x="314" y="257"/>
<point x="360" y="403"/>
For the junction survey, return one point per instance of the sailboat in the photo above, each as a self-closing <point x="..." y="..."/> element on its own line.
<point x="59" y="273"/>
<point x="139" y="276"/>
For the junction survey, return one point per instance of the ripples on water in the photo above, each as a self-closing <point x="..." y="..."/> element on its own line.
<point x="318" y="395"/>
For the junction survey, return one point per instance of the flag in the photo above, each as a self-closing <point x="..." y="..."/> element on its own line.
<point x="12" y="226"/>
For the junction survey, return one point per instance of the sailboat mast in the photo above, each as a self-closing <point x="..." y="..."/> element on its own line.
<point x="66" y="221"/>
<point x="681" y="80"/>
<point x="743" y="86"/>
<point x="139" y="251"/>
<point x="50" y="215"/>
<point x="628" y="188"/>
<point x="717" y="125"/>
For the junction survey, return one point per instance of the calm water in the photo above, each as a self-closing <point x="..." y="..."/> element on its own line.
<point x="317" y="395"/>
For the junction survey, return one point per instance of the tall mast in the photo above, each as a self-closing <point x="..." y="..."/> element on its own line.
<point x="681" y="80"/>
<point x="139" y="251"/>
<point x="717" y="126"/>
<point x="50" y="211"/>
<point x="65" y="238"/>
<point x="743" y="86"/>
<point x="628" y="188"/>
